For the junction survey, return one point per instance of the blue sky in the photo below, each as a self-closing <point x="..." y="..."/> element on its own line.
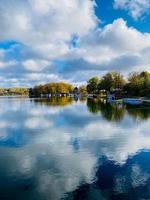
<point x="42" y="41"/>
<point x="107" y="14"/>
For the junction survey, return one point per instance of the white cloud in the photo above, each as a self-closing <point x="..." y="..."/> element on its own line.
<point x="44" y="30"/>
<point x="135" y="8"/>
<point x="45" y="22"/>
<point x="4" y="64"/>
<point x="35" y="65"/>
<point x="115" y="47"/>
<point x="32" y="123"/>
<point x="42" y="76"/>
<point x="1" y="53"/>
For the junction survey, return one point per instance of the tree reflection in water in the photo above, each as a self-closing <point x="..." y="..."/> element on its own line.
<point x="111" y="112"/>
<point x="55" y="101"/>
<point x="141" y="112"/>
<point x="116" y="112"/>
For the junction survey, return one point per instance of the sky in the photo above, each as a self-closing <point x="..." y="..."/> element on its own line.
<point x="71" y="40"/>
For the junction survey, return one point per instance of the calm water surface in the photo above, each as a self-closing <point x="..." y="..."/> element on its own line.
<point x="73" y="150"/>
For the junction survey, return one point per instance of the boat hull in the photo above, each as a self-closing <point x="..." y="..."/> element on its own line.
<point x="132" y="101"/>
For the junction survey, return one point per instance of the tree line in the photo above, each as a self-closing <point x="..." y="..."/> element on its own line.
<point x="14" y="91"/>
<point x="136" y="84"/>
<point x="57" y="88"/>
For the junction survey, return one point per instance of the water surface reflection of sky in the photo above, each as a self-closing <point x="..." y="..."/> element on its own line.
<point x="66" y="149"/>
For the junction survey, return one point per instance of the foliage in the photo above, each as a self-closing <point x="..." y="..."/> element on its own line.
<point x="14" y="91"/>
<point x="112" y="80"/>
<point x="138" y="84"/>
<point x="2" y="91"/>
<point x="52" y="88"/>
<point x="92" y="85"/>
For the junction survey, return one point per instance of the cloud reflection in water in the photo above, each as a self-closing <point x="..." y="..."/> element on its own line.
<point x="52" y="149"/>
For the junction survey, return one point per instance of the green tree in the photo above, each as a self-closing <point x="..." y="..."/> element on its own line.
<point x="144" y="83"/>
<point x="112" y="80"/>
<point x="92" y="85"/>
<point x="138" y="84"/>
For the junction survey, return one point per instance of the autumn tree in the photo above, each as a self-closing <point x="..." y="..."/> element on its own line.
<point x="53" y="88"/>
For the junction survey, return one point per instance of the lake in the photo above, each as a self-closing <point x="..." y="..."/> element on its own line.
<point x="72" y="149"/>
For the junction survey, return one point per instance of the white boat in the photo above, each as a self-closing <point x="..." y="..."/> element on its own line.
<point x="132" y="101"/>
<point x="111" y="99"/>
